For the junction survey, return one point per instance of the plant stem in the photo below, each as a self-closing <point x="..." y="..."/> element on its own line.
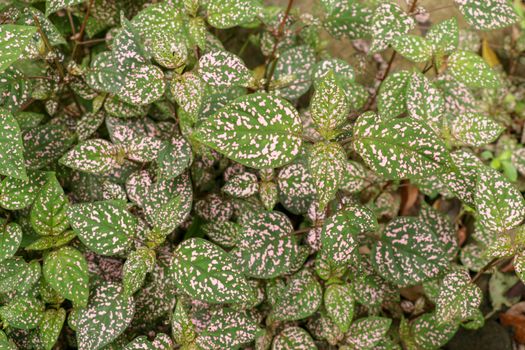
<point x="80" y="35"/>
<point x="272" y="59"/>
<point x="71" y="23"/>
<point x="487" y="267"/>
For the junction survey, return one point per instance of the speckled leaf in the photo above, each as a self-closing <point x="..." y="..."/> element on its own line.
<point x="293" y="338"/>
<point x="228" y="329"/>
<point x="105" y="227"/>
<point x="10" y="239"/>
<point x="339" y="67"/>
<point x="475" y="129"/>
<point x="414" y="48"/>
<point x="225" y="14"/>
<point x="329" y="107"/>
<point x="258" y="130"/>
<point x="347" y="18"/>
<point x="300" y="299"/>
<point x="48" y="213"/>
<point x="53" y="6"/>
<point x="365" y="333"/>
<point x="471" y="70"/>
<point x="339" y="241"/>
<point x="142" y="85"/>
<point x="13" y="272"/>
<point x="444" y="36"/>
<point x="182" y="327"/>
<point x="458" y="298"/>
<point x="499" y="203"/>
<point x="47" y="242"/>
<point x="66" y="271"/>
<point x="327" y="165"/>
<point x="6" y="343"/>
<point x="96" y="156"/>
<point x="23" y="312"/>
<point x="44" y="144"/>
<point x="425" y="102"/>
<point x="356" y="177"/>
<point x="442" y="227"/>
<point x="391" y="99"/>
<point x="174" y="158"/>
<point x="222" y="68"/>
<point x="14" y="39"/>
<point x="206" y="272"/>
<point x="462" y="179"/>
<point x="399" y="148"/>
<point x="108" y="314"/>
<point x="15" y="91"/>
<point x="487" y="14"/>
<point x="427" y="333"/>
<point x="88" y="124"/>
<point x="266" y="248"/>
<point x="137" y="265"/>
<point x="188" y="91"/>
<point x="296" y="189"/>
<point x="388" y="22"/>
<point x="162" y="27"/>
<point x="241" y="185"/>
<point x="161" y="342"/>
<point x="296" y="63"/>
<point x="11" y="148"/>
<point x="51" y="326"/>
<point x="409" y="252"/>
<point x="339" y="305"/>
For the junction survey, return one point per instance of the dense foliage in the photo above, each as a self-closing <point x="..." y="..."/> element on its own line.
<point x="202" y="174"/>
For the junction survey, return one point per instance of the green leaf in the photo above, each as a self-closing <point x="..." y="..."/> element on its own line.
<point x="339" y="241"/>
<point x="23" y="312"/>
<point x="108" y="314"/>
<point x="444" y="36"/>
<point x="6" y="343"/>
<point x="471" y="70"/>
<point x="10" y="239"/>
<point x="487" y="14"/>
<point x="425" y="102"/>
<point x="53" y="6"/>
<point x="189" y="90"/>
<point x="409" y="252"/>
<point x="228" y="329"/>
<point x="48" y="213"/>
<point x="339" y="68"/>
<point x="51" y="326"/>
<point x="268" y="137"/>
<point x="365" y="333"/>
<point x="182" y="328"/>
<point x="388" y="22"/>
<point x="293" y="338"/>
<point x="222" y="68"/>
<point x="266" y="247"/>
<point x="414" y="48"/>
<point x="161" y="342"/>
<point x="339" y="305"/>
<point x="399" y="148"/>
<point x="461" y="180"/>
<point x="96" y="156"/>
<point x="44" y="144"/>
<point x="15" y="91"/>
<point x="105" y="227"/>
<point x="475" y="129"/>
<point x="458" y="299"/>
<point x="300" y="299"/>
<point x="499" y="203"/>
<point x="11" y="148"/>
<point x="391" y="100"/>
<point x="295" y="66"/>
<point x="225" y="14"/>
<point x="47" y="242"/>
<point x="137" y="265"/>
<point x="66" y="271"/>
<point x="327" y="165"/>
<point x="206" y="272"/>
<point x="329" y="107"/>
<point x="14" y="40"/>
